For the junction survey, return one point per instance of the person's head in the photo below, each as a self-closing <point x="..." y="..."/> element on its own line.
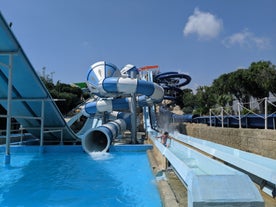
<point x="166" y="133"/>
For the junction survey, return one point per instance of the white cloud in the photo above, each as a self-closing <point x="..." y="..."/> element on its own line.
<point x="204" y="24"/>
<point x="247" y="39"/>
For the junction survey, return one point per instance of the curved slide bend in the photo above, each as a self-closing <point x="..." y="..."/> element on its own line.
<point x="117" y="91"/>
<point x="172" y="83"/>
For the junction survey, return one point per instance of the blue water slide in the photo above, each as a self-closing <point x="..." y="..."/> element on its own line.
<point x="181" y="79"/>
<point x="31" y="101"/>
<point x="99" y="139"/>
<point x="172" y="83"/>
<point x="115" y="90"/>
<point x="109" y="105"/>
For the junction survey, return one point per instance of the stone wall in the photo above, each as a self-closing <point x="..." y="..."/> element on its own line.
<point x="258" y="141"/>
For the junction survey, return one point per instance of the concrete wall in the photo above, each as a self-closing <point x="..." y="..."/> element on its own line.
<point x="258" y="141"/>
<point x="160" y="159"/>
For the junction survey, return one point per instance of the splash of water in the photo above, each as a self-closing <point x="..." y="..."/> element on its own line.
<point x="100" y="155"/>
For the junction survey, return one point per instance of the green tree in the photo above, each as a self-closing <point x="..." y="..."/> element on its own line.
<point x="67" y="101"/>
<point x="230" y="85"/>
<point x="220" y="86"/>
<point x="66" y="88"/>
<point x="204" y="99"/>
<point x="261" y="79"/>
<point x="258" y="81"/>
<point x="188" y="101"/>
<point x="224" y="100"/>
<point x="49" y="84"/>
<point x="237" y="85"/>
<point x="68" y="97"/>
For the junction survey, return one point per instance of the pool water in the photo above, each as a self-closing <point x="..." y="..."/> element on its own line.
<point x="78" y="179"/>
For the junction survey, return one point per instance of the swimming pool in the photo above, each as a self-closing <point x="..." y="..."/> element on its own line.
<point x="78" y="179"/>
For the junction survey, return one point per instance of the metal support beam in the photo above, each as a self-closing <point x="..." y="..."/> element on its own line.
<point x="61" y="137"/>
<point x="33" y="99"/>
<point x="133" y="119"/>
<point x="133" y="113"/>
<point x="9" y="112"/>
<point x="42" y="124"/>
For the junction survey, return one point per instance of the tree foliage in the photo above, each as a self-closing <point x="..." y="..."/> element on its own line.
<point x="68" y="97"/>
<point x="261" y="79"/>
<point x="205" y="100"/>
<point x="188" y="101"/>
<point x="257" y="81"/>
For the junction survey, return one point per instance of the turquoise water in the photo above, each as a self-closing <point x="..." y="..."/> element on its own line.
<point x="78" y="179"/>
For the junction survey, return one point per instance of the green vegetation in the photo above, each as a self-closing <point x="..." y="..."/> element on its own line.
<point x="68" y="96"/>
<point x="257" y="81"/>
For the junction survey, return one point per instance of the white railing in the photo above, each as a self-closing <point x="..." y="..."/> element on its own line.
<point x="220" y="112"/>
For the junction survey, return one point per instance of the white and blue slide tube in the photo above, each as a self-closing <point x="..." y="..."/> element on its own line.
<point x="99" y="139"/>
<point x="107" y="82"/>
<point x="109" y="105"/>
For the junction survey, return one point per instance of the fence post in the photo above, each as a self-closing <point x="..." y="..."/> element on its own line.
<point x="239" y="111"/>
<point x="265" y="116"/>
<point x="210" y="116"/>
<point x="222" y="118"/>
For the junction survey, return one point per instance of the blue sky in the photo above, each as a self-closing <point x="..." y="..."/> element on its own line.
<point x="201" y="38"/>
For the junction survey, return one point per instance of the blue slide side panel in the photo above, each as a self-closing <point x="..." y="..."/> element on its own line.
<point x="145" y="88"/>
<point x="120" y="104"/>
<point x="110" y="84"/>
<point x="91" y="108"/>
<point x="109" y="69"/>
<point x="92" y="78"/>
<point x="88" y="74"/>
<point x="162" y="75"/>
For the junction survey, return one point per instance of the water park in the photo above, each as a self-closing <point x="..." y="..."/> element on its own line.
<point x="106" y="162"/>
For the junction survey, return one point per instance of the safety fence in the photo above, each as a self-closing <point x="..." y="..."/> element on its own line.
<point x="245" y="118"/>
